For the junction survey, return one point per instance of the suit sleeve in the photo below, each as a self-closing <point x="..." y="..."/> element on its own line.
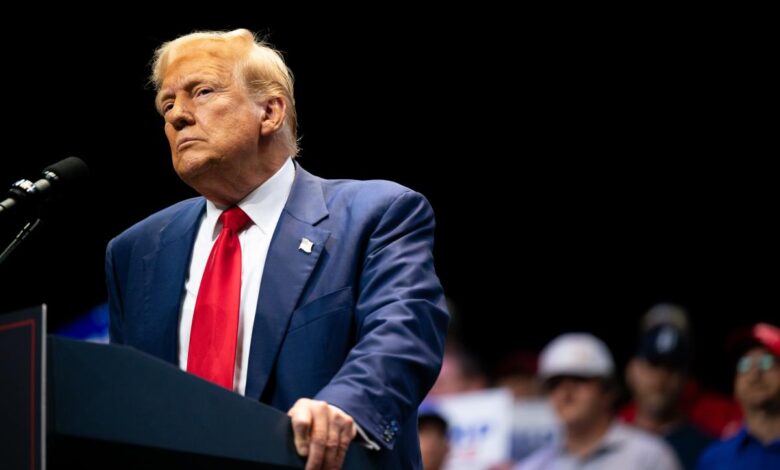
<point x="401" y="324"/>
<point x="114" y="300"/>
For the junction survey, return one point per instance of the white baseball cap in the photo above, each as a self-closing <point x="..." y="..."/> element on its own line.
<point x="576" y="354"/>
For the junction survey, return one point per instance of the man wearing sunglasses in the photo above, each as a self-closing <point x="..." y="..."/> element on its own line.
<point x="757" y="388"/>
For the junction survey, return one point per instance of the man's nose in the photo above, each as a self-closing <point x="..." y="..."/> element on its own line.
<point x="180" y="115"/>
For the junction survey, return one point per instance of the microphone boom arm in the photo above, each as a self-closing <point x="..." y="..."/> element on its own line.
<point x="20" y="237"/>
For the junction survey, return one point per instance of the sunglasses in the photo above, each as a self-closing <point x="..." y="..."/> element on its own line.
<point x="763" y="362"/>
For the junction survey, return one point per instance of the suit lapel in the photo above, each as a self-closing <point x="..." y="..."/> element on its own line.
<point x="287" y="269"/>
<point x="164" y="273"/>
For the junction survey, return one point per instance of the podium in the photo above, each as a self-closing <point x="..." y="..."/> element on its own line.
<point x="112" y="406"/>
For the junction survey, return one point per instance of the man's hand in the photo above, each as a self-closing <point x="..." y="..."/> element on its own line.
<point x="322" y="433"/>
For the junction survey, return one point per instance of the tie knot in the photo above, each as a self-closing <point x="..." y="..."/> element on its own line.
<point x="234" y="219"/>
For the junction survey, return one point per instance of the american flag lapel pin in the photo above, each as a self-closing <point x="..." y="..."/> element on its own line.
<point x="306" y="245"/>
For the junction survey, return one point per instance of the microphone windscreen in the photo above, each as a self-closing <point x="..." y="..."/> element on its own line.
<point x="68" y="170"/>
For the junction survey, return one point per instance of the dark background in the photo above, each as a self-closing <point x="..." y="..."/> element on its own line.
<point x="579" y="171"/>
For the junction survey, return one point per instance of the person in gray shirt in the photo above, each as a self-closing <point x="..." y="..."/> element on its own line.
<point x="578" y="371"/>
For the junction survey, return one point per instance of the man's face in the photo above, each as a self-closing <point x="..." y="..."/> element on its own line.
<point x="579" y="401"/>
<point x="434" y="446"/>
<point x="656" y="388"/>
<point x="755" y="385"/>
<point x="211" y="121"/>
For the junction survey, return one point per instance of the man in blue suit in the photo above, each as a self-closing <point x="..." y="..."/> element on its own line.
<point x="341" y="318"/>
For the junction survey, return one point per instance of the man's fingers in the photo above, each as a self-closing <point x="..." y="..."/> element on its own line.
<point x="347" y="434"/>
<point x="322" y="433"/>
<point x="319" y="434"/>
<point x="301" y="418"/>
<point x="336" y="424"/>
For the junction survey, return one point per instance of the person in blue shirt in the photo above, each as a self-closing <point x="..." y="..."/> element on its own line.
<point x="757" y="388"/>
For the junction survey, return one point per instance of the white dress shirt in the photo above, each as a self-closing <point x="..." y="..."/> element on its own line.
<point x="264" y="205"/>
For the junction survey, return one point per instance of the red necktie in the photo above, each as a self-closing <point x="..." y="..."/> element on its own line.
<point x="212" y="352"/>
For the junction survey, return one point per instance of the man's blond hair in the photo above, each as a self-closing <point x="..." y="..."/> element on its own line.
<point x="259" y="65"/>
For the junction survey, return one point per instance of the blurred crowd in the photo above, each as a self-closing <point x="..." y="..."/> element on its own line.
<point x="569" y="406"/>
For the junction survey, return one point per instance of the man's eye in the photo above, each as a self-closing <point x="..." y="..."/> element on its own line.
<point x="167" y="107"/>
<point x="203" y="91"/>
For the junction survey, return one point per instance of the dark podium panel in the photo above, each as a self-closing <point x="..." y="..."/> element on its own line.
<point x="22" y="335"/>
<point x="114" y="407"/>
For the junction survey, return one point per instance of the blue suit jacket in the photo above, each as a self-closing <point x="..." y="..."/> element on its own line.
<point x="359" y="322"/>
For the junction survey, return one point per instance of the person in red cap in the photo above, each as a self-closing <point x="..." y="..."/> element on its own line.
<point x="757" y="388"/>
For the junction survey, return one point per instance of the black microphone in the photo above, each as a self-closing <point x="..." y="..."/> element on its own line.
<point x="57" y="178"/>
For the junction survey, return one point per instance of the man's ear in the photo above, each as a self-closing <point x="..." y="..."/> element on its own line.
<point x="274" y="111"/>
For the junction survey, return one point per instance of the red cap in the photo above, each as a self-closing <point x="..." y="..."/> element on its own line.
<point x="768" y="336"/>
<point x="761" y="334"/>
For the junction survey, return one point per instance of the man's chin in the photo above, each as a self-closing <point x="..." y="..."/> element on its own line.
<point x="192" y="170"/>
<point x="758" y="399"/>
<point x="574" y="417"/>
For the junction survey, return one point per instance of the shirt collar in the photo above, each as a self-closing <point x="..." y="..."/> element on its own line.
<point x="263" y="205"/>
<point x="744" y="438"/>
<point x="613" y="439"/>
